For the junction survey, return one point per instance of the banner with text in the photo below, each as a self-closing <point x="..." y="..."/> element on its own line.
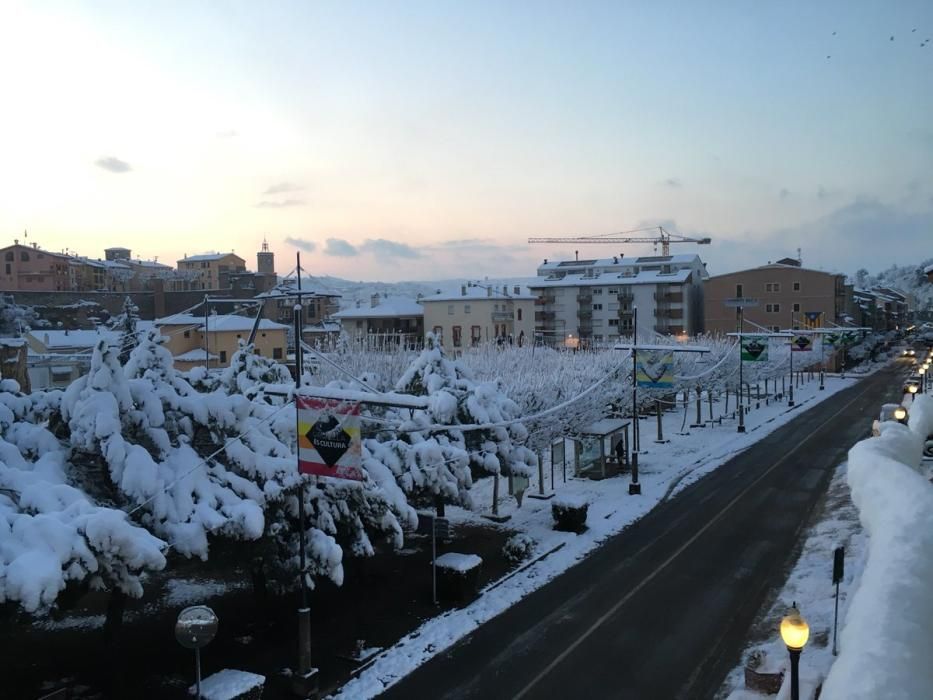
<point x="801" y="342"/>
<point x="329" y="438"/>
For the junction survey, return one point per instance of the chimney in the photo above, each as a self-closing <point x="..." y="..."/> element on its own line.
<point x="576" y="255"/>
<point x="488" y="291"/>
<point x="545" y="261"/>
<point x="463" y="290"/>
<point x="374" y="301"/>
<point x="517" y="290"/>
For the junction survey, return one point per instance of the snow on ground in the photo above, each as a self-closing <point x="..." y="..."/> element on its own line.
<point x="810" y="586"/>
<point x="663" y="468"/>
<point x="228" y="684"/>
<point x="183" y="591"/>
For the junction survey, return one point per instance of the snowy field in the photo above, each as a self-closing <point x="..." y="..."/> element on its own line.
<point x="664" y="469"/>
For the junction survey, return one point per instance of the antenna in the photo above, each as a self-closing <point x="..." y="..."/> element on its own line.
<point x="799" y="257"/>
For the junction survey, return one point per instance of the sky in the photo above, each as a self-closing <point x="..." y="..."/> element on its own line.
<point x="429" y="140"/>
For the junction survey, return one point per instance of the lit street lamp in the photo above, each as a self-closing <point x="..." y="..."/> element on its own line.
<point x="794" y="631"/>
<point x="900" y="414"/>
<point x="923" y="378"/>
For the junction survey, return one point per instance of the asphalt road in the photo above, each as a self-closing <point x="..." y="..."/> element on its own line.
<point x="662" y="610"/>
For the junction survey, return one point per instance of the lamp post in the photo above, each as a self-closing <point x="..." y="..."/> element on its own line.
<point x="900" y="415"/>
<point x="923" y="379"/>
<point x="634" y="488"/>
<point x="741" y="427"/>
<point x="794" y="631"/>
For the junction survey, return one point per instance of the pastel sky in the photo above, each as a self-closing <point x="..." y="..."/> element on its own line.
<point x="425" y="140"/>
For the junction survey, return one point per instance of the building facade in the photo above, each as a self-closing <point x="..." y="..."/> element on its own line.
<point x="592" y="302"/>
<point x="197" y="342"/>
<point x="211" y="270"/>
<point x="788" y="296"/>
<point x="386" y="321"/>
<point x="481" y="314"/>
<point x="31" y="269"/>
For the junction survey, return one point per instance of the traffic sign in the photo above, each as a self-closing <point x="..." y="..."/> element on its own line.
<point x="740" y="302"/>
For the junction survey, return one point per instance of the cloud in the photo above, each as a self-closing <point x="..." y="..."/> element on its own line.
<point x="284" y="187"/>
<point x="674" y="183"/>
<point x="114" y="165"/>
<point x="386" y="248"/>
<point x="281" y="204"/>
<point x="340" y="248"/>
<point x="301" y="244"/>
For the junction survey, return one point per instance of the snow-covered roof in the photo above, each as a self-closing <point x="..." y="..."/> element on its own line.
<point x="481" y="293"/>
<point x="309" y="285"/>
<point x="684" y="259"/>
<point x="612" y="279"/>
<point x="150" y="263"/>
<point x="74" y="339"/>
<point x="206" y="257"/>
<point x="219" y="322"/>
<point x="322" y="327"/>
<point x="393" y="307"/>
<point x="196" y="355"/>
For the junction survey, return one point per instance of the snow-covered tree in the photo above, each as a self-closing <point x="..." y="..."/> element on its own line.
<point x="125" y="322"/>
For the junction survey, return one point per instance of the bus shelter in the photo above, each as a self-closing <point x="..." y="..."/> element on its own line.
<point x="602" y="448"/>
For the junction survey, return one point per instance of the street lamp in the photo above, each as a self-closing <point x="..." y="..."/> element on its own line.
<point x="900" y="414"/>
<point x="911" y="388"/>
<point x="794" y="631"/>
<point x="923" y="379"/>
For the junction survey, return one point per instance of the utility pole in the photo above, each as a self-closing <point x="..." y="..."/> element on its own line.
<point x="741" y="427"/>
<point x="634" y="487"/>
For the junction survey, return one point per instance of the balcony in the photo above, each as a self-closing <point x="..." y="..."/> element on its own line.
<point x="503" y="315"/>
<point x="669" y="297"/>
<point x="544" y="316"/>
<point x="585" y="298"/>
<point x="626" y="312"/>
<point x="585" y="313"/>
<point x="545" y="300"/>
<point x="663" y="312"/>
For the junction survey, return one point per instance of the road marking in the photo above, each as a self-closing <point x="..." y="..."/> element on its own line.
<point x="645" y="581"/>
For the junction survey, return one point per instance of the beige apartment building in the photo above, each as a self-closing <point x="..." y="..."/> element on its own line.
<point x="480" y="314"/>
<point x="386" y="321"/>
<point x="188" y="336"/>
<point x="787" y="293"/>
<point x="211" y="270"/>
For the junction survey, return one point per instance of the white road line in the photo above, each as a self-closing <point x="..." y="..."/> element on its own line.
<point x="612" y="611"/>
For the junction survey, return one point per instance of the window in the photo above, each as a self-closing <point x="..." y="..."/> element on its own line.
<point x="773" y="287"/>
<point x="796" y="308"/>
<point x="738" y="290"/>
<point x="187" y="334"/>
<point x="597" y="307"/>
<point x="613" y="290"/>
<point x="456" y="334"/>
<point x="627" y="324"/>
<point x="598" y="290"/>
<point x="8" y="270"/>
<point x="359" y="324"/>
<point x="796" y="286"/>
<point x="519" y="312"/>
<point x="223" y="355"/>
<point x="476" y="335"/>
<point x="450" y="309"/>
<point x="24" y="256"/>
<point x="276" y="353"/>
<point x="466" y="308"/>
<point x="9" y="256"/>
<point x="772" y="308"/>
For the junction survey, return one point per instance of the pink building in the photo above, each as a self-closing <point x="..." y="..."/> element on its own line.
<point x="31" y="269"/>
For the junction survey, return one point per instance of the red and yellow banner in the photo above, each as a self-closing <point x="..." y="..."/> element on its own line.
<point x="329" y="438"/>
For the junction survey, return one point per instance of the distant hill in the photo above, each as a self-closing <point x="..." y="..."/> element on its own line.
<point x="907" y="278"/>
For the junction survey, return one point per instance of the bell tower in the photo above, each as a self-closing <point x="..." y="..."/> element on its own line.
<point x="265" y="260"/>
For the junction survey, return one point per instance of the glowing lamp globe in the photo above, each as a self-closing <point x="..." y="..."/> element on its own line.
<point x="912" y="388"/>
<point x="794" y="630"/>
<point x="900" y="413"/>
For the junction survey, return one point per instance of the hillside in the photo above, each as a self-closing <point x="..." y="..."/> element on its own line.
<point x="907" y="278"/>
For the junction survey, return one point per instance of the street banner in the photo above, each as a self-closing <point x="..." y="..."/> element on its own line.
<point x="801" y="342"/>
<point x="754" y="348"/>
<point x="848" y="337"/>
<point x="655" y="370"/>
<point x="329" y="438"/>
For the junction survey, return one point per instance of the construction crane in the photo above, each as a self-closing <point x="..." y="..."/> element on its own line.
<point x="665" y="238"/>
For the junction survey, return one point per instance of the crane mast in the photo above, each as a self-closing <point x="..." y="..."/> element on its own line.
<point x="664" y="237"/>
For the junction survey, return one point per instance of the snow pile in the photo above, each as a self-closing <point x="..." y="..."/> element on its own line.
<point x="887" y="642"/>
<point x="228" y="685"/>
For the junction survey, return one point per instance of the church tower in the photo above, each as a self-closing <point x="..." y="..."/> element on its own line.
<point x="265" y="260"/>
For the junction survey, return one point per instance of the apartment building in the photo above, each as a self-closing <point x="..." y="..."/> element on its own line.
<point x="592" y="302"/>
<point x="386" y="321"/>
<point x="479" y="314"/>
<point x="788" y="295"/>
<point x="210" y="270"/>
<point x="187" y="337"/>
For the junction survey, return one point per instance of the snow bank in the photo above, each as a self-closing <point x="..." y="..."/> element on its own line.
<point x="228" y="684"/>
<point x="887" y="641"/>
